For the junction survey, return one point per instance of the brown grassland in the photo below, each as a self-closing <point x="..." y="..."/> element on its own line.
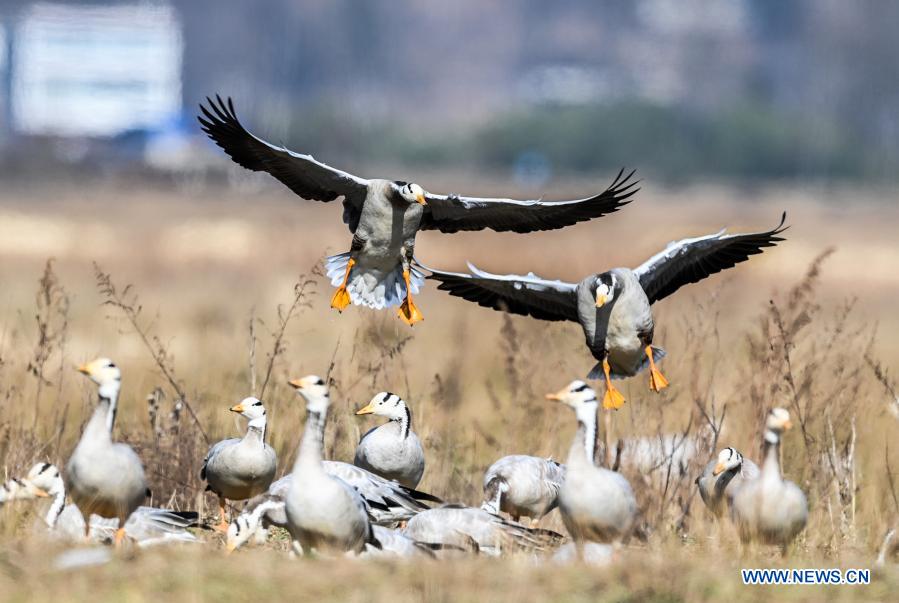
<point x="206" y="297"/>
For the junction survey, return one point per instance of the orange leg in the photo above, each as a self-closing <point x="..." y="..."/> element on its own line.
<point x="120" y="535"/>
<point x="222" y="524"/>
<point x="657" y="381"/>
<point x="613" y="398"/>
<point x="408" y="310"/>
<point x="341" y="297"/>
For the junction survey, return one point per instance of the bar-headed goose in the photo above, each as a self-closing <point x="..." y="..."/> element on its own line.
<point x="613" y="307"/>
<point x="523" y="486"/>
<point x="105" y="478"/>
<point x="21" y="489"/>
<point x="385" y="215"/>
<point x="597" y="504"/>
<point x="391" y="450"/>
<point x="723" y="477"/>
<point x="146" y="526"/>
<point x="458" y="527"/>
<point x="240" y="468"/>
<point x="324" y="513"/>
<point x="770" y="509"/>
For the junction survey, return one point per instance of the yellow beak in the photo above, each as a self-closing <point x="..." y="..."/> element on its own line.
<point x="421" y="199"/>
<point x="237" y="408"/>
<point x="84" y="369"/>
<point x="718" y="469"/>
<point x="558" y="396"/>
<point x="297" y="383"/>
<point x="788" y="424"/>
<point x="366" y="410"/>
<point x="600" y="301"/>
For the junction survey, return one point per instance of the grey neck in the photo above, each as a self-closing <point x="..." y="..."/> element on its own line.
<point x="313" y="438"/>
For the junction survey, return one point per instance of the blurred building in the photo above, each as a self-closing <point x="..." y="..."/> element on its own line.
<point x="94" y="71"/>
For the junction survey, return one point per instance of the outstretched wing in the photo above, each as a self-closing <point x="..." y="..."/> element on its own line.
<point x="452" y="213"/>
<point x="526" y="295"/>
<point x="691" y="260"/>
<point x="302" y="174"/>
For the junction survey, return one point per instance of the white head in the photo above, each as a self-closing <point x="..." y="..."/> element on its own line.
<point x="251" y="408"/>
<point x="412" y="193"/>
<point x="606" y="283"/>
<point x="778" y="420"/>
<point x="579" y="396"/>
<point x="385" y="404"/>
<point x="104" y="373"/>
<point x="728" y="460"/>
<point x="46" y="477"/>
<point x="240" y="530"/>
<point x="315" y="391"/>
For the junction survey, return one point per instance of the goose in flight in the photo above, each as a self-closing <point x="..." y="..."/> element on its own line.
<point x="385" y="215"/>
<point x="103" y="477"/>
<point x="240" y="468"/>
<point x="391" y="450"/>
<point x="723" y="477"/>
<point x="613" y="307"/>
<point x="769" y="508"/>
<point x="523" y="485"/>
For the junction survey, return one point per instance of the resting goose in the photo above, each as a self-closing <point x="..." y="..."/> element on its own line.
<point x="612" y="307"/>
<point x="597" y="504"/>
<point x="240" y="468"/>
<point x="146" y="526"/>
<point x="105" y="478"/>
<point x="324" y="513"/>
<point x="458" y="527"/>
<point x="523" y="486"/>
<point x="391" y="450"/>
<point x="723" y="477"/>
<point x="770" y="509"/>
<point x="385" y="215"/>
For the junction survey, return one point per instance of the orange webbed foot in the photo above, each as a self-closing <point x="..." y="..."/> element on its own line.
<point x="341" y="299"/>
<point x="409" y="312"/>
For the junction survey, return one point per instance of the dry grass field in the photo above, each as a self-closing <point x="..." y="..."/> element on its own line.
<point x="227" y="300"/>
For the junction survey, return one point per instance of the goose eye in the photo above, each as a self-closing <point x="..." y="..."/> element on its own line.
<point x="320" y="381"/>
<point x="111" y="365"/>
<point x="257" y="403"/>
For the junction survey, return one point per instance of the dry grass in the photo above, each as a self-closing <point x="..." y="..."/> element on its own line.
<point x="216" y="309"/>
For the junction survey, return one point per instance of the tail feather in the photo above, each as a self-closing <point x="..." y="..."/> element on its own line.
<point x="373" y="288"/>
<point x="597" y="373"/>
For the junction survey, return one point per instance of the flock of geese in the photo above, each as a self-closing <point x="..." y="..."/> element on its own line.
<point x="373" y="506"/>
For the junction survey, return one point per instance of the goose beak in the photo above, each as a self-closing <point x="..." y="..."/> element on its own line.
<point x="297" y="383"/>
<point x="557" y="396"/>
<point x="229" y="548"/>
<point x="84" y="369"/>
<point x="41" y="493"/>
<point x="421" y="199"/>
<point x="718" y="469"/>
<point x="788" y="424"/>
<point x="237" y="408"/>
<point x="600" y="301"/>
<point x="366" y="410"/>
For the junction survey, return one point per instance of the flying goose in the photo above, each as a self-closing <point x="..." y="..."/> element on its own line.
<point x="240" y="468"/>
<point x="523" y="485"/>
<point x="770" y="509"/>
<point x="385" y="215"/>
<point x="459" y="527"/>
<point x="324" y="513"/>
<point x="612" y="307"/>
<point x="146" y="525"/>
<point x="597" y="504"/>
<point x="391" y="450"/>
<point x="723" y="477"/>
<point x="102" y="477"/>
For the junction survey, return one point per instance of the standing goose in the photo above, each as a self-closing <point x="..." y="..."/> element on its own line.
<point x="105" y="478"/>
<point x="458" y="527"/>
<point x="240" y="468"/>
<point x="385" y="215"/>
<point x="723" y="477"/>
<point x="323" y="512"/>
<point x="597" y="504"/>
<point x="146" y="526"/>
<point x="613" y="307"/>
<point x="523" y="485"/>
<point x="391" y="450"/>
<point x="770" y="509"/>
